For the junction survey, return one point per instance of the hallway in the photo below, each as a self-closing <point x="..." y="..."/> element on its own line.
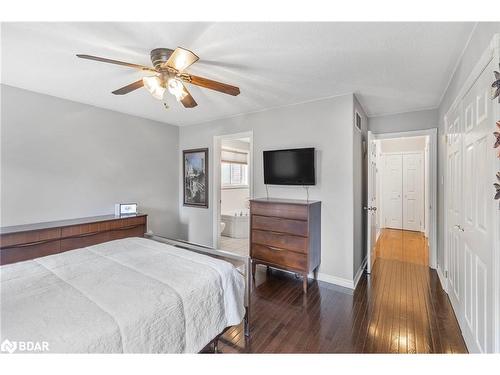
<point x="400" y="308"/>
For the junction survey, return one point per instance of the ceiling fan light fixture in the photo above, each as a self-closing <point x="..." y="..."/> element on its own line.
<point x="176" y="88"/>
<point x="154" y="86"/>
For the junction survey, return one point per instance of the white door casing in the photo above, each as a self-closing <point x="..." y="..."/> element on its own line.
<point x="454" y="207"/>
<point x="413" y="191"/>
<point x="392" y="188"/>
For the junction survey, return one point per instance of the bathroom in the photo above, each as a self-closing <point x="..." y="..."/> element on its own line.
<point x="235" y="195"/>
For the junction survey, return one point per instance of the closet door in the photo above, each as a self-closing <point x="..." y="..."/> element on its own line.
<point x="413" y="186"/>
<point x="392" y="180"/>
<point x="477" y="230"/>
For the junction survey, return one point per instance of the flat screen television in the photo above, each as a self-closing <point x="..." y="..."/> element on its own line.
<point x="289" y="167"/>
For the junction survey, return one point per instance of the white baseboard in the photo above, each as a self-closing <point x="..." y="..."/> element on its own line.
<point x="442" y="278"/>
<point x="346" y="283"/>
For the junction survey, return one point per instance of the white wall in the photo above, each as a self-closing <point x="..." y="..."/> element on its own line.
<point x="408" y="144"/>
<point x="325" y="125"/>
<point x="480" y="39"/>
<point x="62" y="159"/>
<point x="417" y="120"/>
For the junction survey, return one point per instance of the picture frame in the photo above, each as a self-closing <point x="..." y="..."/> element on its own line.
<point x="195" y="177"/>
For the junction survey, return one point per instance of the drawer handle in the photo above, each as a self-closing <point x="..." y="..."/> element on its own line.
<point x="28" y="244"/>
<point x="275" y="248"/>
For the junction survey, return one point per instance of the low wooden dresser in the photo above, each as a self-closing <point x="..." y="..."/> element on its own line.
<point x="286" y="234"/>
<point x="24" y="242"/>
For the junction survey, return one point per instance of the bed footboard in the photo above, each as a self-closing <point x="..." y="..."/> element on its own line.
<point x="242" y="263"/>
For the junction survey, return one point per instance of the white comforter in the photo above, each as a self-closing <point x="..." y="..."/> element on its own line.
<point x="133" y="295"/>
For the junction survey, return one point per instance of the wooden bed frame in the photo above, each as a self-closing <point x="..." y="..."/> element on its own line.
<point x="25" y="242"/>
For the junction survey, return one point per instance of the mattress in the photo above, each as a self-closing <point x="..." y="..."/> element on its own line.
<point x="132" y="295"/>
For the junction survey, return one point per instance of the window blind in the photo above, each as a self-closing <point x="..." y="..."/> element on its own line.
<point x="235" y="157"/>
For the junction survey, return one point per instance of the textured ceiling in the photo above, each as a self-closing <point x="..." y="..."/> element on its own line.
<point x="392" y="67"/>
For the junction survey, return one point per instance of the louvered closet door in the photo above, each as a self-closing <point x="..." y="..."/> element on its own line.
<point x="453" y="195"/>
<point x="477" y="215"/>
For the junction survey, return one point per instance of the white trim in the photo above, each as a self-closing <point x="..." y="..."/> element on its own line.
<point x="359" y="273"/>
<point x="433" y="182"/>
<point x="442" y="279"/>
<point x="216" y="179"/>
<point x="340" y="281"/>
<point x="346" y="283"/>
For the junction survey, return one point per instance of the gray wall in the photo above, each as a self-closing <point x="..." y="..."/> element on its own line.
<point x="480" y="39"/>
<point x="62" y="159"/>
<point x="325" y="125"/>
<point x="359" y="187"/>
<point x="417" y="120"/>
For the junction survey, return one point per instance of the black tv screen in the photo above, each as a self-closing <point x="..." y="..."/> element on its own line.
<point x="289" y="167"/>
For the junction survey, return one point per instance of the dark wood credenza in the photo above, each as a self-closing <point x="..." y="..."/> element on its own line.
<point x="286" y="234"/>
<point x="24" y="242"/>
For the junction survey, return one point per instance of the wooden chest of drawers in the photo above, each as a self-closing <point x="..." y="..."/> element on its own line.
<point x="286" y="234"/>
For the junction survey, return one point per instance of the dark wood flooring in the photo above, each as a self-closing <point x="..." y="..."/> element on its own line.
<point x="399" y="308"/>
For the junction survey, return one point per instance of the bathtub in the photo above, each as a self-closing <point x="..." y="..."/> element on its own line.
<point x="237" y="223"/>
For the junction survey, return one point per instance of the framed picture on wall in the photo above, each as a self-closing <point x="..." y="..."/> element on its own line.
<point x="195" y="172"/>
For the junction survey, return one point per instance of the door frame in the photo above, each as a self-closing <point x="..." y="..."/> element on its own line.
<point x="216" y="179"/>
<point x="433" y="182"/>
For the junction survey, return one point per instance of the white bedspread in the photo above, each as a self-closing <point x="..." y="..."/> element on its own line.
<point x="132" y="295"/>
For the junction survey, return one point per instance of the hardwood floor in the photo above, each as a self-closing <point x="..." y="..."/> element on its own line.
<point x="399" y="308"/>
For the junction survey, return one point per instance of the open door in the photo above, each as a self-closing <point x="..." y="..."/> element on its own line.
<point x="371" y="208"/>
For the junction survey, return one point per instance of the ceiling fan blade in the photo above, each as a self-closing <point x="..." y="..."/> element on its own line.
<point x="188" y="100"/>
<point x="181" y="58"/>
<point x="212" y="85"/>
<point x="110" y="61"/>
<point x="129" y="88"/>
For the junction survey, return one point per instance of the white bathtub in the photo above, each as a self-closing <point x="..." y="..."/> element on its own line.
<point x="237" y="223"/>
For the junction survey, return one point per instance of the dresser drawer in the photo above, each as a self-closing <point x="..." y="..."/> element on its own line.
<point x="20" y="238"/>
<point x="279" y="257"/>
<point x="276" y="224"/>
<point x="286" y="211"/>
<point x="283" y="241"/>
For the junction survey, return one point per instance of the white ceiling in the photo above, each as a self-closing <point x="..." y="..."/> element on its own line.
<point x="392" y="67"/>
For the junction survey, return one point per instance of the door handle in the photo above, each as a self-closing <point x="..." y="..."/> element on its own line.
<point x="459" y="227"/>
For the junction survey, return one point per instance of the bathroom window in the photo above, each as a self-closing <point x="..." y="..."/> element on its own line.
<point x="234" y="175"/>
<point x="234" y="168"/>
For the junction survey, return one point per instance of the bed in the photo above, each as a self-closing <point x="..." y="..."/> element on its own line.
<point x="130" y="295"/>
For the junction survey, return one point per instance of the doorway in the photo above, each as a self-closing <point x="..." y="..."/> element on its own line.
<point x="233" y="189"/>
<point x="402" y="192"/>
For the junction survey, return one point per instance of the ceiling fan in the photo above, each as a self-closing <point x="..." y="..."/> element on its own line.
<point x="168" y="74"/>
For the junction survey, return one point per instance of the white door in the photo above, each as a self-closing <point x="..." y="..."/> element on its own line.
<point x="413" y="186"/>
<point x="470" y="212"/>
<point x="371" y="202"/>
<point x="477" y="213"/>
<point x="392" y="183"/>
